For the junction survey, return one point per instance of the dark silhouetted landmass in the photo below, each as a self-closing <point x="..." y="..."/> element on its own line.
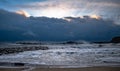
<point x="116" y="39"/>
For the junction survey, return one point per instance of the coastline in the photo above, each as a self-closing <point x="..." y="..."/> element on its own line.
<point x="104" y="57"/>
<point x="62" y="69"/>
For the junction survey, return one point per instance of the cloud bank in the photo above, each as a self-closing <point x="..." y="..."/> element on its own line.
<point x="16" y="27"/>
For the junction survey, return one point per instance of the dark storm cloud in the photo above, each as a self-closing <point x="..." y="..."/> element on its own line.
<point x="15" y="27"/>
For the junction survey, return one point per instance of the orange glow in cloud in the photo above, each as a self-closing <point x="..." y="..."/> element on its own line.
<point x="22" y="12"/>
<point x="95" y="16"/>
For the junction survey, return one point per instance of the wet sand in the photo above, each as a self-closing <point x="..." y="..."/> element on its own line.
<point x="64" y="69"/>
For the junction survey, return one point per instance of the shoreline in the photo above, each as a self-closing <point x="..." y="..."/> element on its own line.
<point x="101" y="68"/>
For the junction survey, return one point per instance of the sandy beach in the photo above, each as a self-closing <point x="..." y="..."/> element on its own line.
<point x="64" y="69"/>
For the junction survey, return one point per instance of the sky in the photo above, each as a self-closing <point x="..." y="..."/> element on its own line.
<point x="63" y="8"/>
<point x="69" y="19"/>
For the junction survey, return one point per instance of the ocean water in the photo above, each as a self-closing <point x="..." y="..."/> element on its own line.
<point x="71" y="55"/>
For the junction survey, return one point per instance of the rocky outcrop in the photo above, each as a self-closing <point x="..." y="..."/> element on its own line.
<point x="116" y="40"/>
